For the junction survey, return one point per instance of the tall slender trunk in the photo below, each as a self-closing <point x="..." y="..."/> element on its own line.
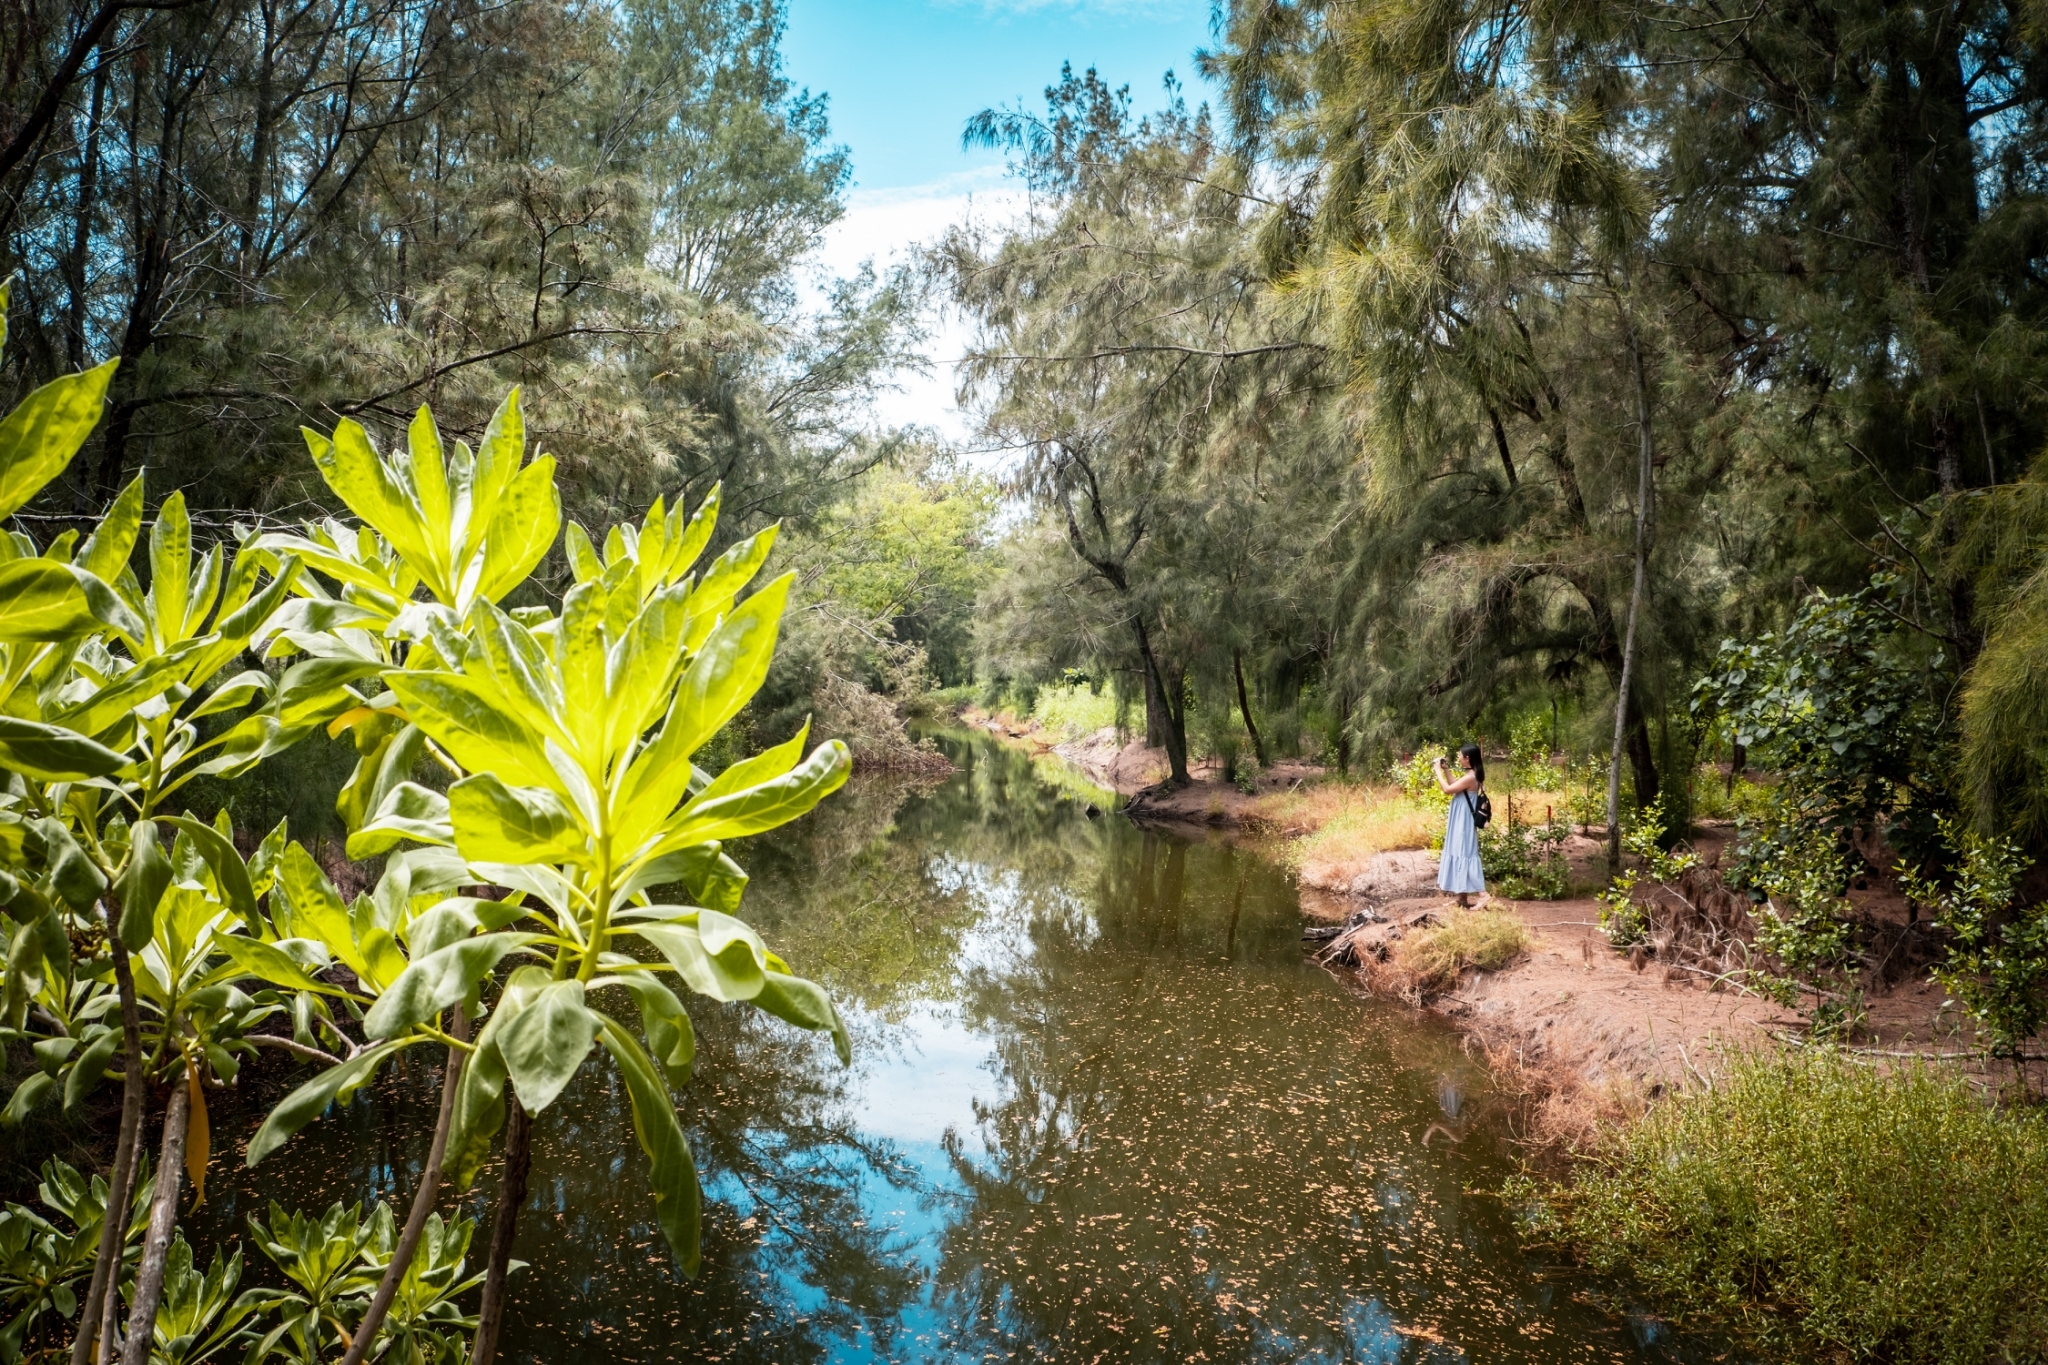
<point x="1244" y="706"/>
<point x="422" y="1203"/>
<point x="1646" y="523"/>
<point x="163" y="1222"/>
<point x="511" y="1194"/>
<point x="106" y="1266"/>
<point x="1176" y="727"/>
<point x="110" y="1311"/>
<point x="81" y="225"/>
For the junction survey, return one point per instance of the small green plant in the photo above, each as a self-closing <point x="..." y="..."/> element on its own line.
<point x="1529" y="763"/>
<point x="1416" y="776"/>
<point x="1997" y="966"/>
<point x="1801" y="924"/>
<point x="1586" y="791"/>
<point x="1526" y="862"/>
<point x="1624" y="919"/>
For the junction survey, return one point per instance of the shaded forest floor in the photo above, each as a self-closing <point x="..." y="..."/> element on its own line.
<point x="1588" y="1036"/>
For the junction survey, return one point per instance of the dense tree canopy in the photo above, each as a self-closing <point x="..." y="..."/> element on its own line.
<point x="1482" y="354"/>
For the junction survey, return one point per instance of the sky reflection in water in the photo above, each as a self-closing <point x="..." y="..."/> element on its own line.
<point x="1101" y="1110"/>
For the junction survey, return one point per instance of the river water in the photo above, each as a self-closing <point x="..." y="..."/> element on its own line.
<point x="1101" y="1109"/>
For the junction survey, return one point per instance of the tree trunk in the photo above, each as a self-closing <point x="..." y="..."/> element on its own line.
<point x="1646" y="521"/>
<point x="422" y="1203"/>
<point x="106" y="1269"/>
<point x="1175" y="722"/>
<point x="163" y="1221"/>
<point x="1244" y="706"/>
<point x="511" y="1194"/>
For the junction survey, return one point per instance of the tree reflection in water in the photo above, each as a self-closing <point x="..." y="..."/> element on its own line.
<point x="1162" y="1135"/>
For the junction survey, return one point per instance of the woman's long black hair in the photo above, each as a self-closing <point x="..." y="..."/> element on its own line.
<point x="1471" y="751"/>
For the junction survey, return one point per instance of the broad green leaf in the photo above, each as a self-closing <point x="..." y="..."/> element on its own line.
<point x="495" y="467"/>
<point x="457" y="918"/>
<point x="769" y="805"/>
<point x="269" y="963"/>
<point x="315" y="910"/>
<point x="310" y="1100"/>
<point x="458" y="714"/>
<point x="580" y="654"/>
<point x="720" y="680"/>
<point x="143" y="882"/>
<point x="91" y="1064"/>
<point x="728" y="574"/>
<point x="686" y="545"/>
<point x="438" y="980"/>
<point x="670" y="1036"/>
<point x="170" y="568"/>
<point x="762" y="767"/>
<point x="480" y="1100"/>
<point x="520" y="668"/>
<point x="108" y="548"/>
<point x="42" y="601"/>
<point x="495" y="823"/>
<point x="383" y="770"/>
<point x="522" y="530"/>
<point x="236" y="692"/>
<point x="730" y="970"/>
<point x="425" y="468"/>
<point x="548" y="1040"/>
<point x="50" y="753"/>
<point x="584" y="565"/>
<point x="641" y="667"/>
<point x="805" y="1004"/>
<point x="713" y="880"/>
<point x="379" y="947"/>
<point x="671" y="1172"/>
<point x="28" y="1097"/>
<point x="409" y="812"/>
<point x="39" y="438"/>
<point x="263" y="862"/>
<point x="229" y="870"/>
<point x="358" y="476"/>
<point x="70" y="872"/>
<point x="109" y="603"/>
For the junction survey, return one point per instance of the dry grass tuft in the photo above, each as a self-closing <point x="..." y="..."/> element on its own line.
<point x="1339" y="826"/>
<point x="1485" y="940"/>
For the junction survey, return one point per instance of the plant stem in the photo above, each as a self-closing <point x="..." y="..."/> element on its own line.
<point x="163" y="1221"/>
<point x="422" y="1203"/>
<point x="106" y="1267"/>
<point x="511" y="1194"/>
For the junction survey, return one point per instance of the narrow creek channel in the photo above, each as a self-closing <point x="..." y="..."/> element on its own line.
<point x="1101" y="1109"/>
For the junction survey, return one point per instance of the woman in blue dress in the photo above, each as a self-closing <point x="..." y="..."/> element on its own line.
<point x="1459" y="872"/>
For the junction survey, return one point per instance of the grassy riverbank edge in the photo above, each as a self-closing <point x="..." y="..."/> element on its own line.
<point x="1820" y="1208"/>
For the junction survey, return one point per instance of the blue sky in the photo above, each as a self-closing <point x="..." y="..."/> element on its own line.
<point x="904" y="76"/>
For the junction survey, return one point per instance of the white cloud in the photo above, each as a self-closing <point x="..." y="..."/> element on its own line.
<point x="884" y="226"/>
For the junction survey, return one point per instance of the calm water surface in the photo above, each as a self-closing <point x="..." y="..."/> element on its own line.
<point x="1101" y="1109"/>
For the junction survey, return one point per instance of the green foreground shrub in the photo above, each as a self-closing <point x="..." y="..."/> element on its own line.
<point x="1830" y="1211"/>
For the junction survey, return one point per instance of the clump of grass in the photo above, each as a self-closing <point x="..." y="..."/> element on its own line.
<point x="1829" y="1211"/>
<point x="1342" y="824"/>
<point x="1072" y="711"/>
<point x="1433" y="959"/>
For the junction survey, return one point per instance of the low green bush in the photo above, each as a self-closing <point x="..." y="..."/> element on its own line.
<point x="1830" y="1211"/>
